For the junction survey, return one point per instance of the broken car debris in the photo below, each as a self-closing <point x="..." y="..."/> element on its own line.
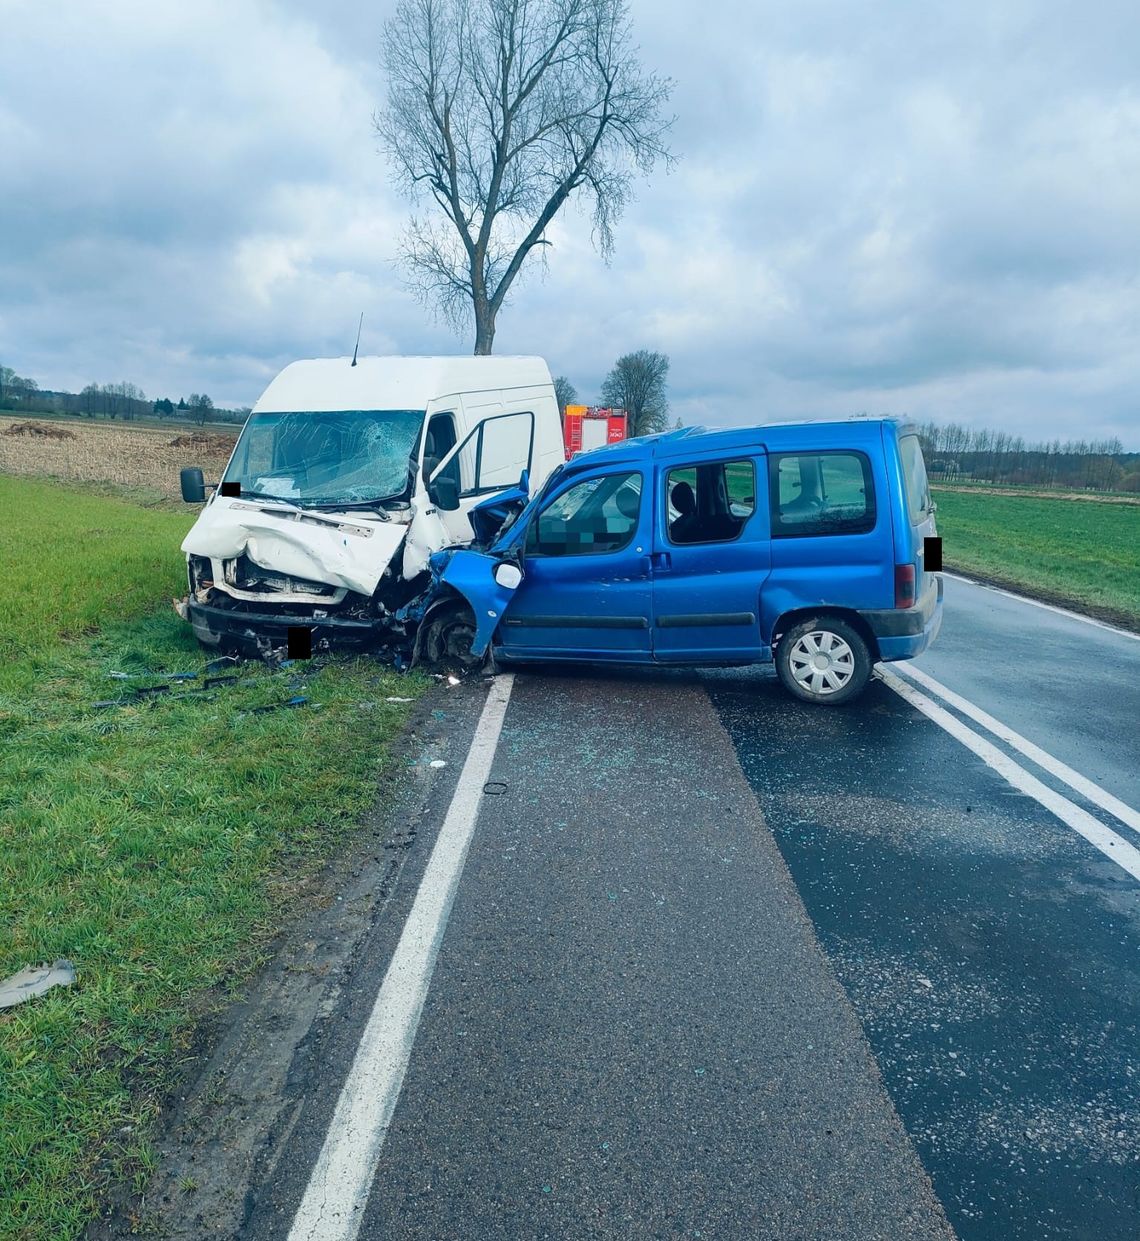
<point x="34" y="980"/>
<point x="208" y="684"/>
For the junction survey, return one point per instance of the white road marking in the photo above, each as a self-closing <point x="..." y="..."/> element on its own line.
<point x="1092" y="829"/>
<point x="1080" y="784"/>
<point x="1049" y="607"/>
<point x="333" y="1206"/>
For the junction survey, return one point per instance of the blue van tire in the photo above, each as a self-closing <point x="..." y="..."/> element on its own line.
<point x="823" y="660"/>
<point x="446" y="639"/>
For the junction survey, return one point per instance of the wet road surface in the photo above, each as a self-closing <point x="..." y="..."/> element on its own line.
<point x="1069" y="686"/>
<point x="989" y="951"/>
<point x="724" y="965"/>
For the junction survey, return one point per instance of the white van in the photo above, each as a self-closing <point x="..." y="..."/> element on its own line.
<point x="347" y="476"/>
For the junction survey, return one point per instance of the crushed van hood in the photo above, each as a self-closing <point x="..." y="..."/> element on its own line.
<point x="338" y="549"/>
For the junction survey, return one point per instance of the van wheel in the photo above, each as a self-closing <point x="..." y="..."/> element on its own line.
<point x="823" y="660"/>
<point x="447" y="637"/>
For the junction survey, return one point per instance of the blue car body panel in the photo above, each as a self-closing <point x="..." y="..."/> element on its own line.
<point x="725" y="601"/>
<point x="472" y="574"/>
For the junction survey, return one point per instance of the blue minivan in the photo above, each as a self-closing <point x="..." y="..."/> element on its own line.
<point x="798" y="543"/>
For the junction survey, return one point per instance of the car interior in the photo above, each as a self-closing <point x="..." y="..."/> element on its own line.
<point x="700" y="506"/>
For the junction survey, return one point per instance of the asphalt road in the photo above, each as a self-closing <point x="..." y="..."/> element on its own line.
<point x="723" y="965"/>
<point x="1067" y="685"/>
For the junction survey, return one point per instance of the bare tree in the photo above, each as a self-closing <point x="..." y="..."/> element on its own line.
<point x="565" y="394"/>
<point x="637" y="385"/>
<point x="499" y="111"/>
<point x="200" y="407"/>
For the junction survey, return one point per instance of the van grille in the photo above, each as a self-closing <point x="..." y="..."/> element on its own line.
<point x="244" y="574"/>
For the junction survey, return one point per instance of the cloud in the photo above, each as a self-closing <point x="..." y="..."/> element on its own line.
<point x="922" y="209"/>
<point x="193" y="200"/>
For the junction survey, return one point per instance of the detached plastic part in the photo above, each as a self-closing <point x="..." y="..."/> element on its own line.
<point x="34" y="980"/>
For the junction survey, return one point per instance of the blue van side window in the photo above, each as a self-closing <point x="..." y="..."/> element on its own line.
<point x="599" y="514"/>
<point x="914" y="473"/>
<point x="814" y="493"/>
<point x="711" y="502"/>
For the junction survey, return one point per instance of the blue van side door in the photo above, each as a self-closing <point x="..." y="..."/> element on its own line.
<point x="586" y="587"/>
<point x="711" y="555"/>
<point x="831" y="529"/>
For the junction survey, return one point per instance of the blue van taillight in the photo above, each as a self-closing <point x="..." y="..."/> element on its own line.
<point x="904" y="586"/>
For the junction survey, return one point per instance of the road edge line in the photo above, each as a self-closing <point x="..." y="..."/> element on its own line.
<point x="1115" y="847"/>
<point x="332" y="1208"/>
<point x="1062" y="771"/>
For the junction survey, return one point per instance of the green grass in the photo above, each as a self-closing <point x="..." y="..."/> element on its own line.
<point x="73" y="560"/>
<point x="1087" y="555"/>
<point x="157" y="844"/>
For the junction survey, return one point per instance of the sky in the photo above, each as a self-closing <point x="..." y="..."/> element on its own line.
<point x="878" y="207"/>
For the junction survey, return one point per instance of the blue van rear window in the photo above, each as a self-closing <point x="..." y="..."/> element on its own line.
<point x="816" y="493"/>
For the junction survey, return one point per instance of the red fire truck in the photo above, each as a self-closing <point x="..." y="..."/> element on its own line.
<point x="589" y="426"/>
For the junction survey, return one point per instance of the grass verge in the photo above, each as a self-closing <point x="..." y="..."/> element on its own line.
<point x="1086" y="556"/>
<point x="155" y="844"/>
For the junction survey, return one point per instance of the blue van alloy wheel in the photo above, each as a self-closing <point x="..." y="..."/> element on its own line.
<point x="823" y="660"/>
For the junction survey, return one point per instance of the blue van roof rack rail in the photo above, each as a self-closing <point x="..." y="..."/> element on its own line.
<point x="669" y="443"/>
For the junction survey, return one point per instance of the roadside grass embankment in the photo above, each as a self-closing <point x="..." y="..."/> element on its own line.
<point x="157" y="844"/>
<point x="1081" y="555"/>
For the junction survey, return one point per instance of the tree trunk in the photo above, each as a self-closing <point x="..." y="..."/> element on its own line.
<point x="484" y="330"/>
<point x="484" y="317"/>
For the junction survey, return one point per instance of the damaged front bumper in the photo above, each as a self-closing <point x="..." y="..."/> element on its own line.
<point x="223" y="626"/>
<point x="255" y="609"/>
<point x="252" y="629"/>
<point x="247" y="593"/>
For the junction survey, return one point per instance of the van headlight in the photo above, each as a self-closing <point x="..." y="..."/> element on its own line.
<point x="199" y="572"/>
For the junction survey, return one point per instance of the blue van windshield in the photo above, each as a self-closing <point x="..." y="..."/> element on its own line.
<point x="320" y="458"/>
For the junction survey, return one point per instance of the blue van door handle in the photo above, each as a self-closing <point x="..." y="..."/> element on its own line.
<point x="662" y="560"/>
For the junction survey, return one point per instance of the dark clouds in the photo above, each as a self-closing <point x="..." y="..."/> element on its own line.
<point x="898" y="207"/>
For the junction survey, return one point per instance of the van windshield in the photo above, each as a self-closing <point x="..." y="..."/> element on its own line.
<point x="322" y="458"/>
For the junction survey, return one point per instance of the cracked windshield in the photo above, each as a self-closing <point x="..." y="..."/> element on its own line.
<point x="321" y="458"/>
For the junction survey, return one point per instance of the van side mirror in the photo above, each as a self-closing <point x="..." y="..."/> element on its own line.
<point x="444" y="493"/>
<point x="193" y="486"/>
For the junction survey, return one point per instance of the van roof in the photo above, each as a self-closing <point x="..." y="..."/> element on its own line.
<point x="393" y="382"/>
<point x="833" y="432"/>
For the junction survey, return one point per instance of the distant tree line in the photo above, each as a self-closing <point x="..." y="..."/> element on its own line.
<point x="122" y="401"/>
<point x="954" y="452"/>
<point x="15" y="388"/>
